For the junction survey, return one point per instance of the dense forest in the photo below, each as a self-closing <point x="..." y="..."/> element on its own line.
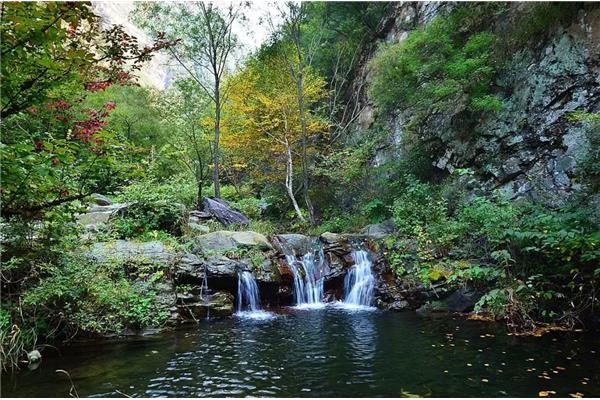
<point x="351" y="118"/>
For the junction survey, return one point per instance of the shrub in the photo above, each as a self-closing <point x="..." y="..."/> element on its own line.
<point x="436" y="66"/>
<point x="93" y="298"/>
<point x="375" y="210"/>
<point x="419" y="205"/>
<point x="156" y="206"/>
<point x="251" y="207"/>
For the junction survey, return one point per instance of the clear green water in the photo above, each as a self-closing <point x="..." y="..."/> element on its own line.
<point x="326" y="352"/>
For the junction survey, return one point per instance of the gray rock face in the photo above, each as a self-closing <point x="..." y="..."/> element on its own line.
<point x="189" y="268"/>
<point x="292" y="242"/>
<point x="531" y="148"/>
<point x="130" y="251"/>
<point x="268" y="272"/>
<point x="222" y="267"/>
<point x="100" y="199"/>
<point x="228" y="240"/>
<point x="198" y="229"/>
<point x="379" y="231"/>
<point x="100" y="214"/>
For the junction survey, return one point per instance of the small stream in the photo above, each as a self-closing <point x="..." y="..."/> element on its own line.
<point x="330" y="351"/>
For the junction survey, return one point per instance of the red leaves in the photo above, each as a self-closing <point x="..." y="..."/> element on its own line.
<point x="58" y="105"/>
<point x="95" y="86"/>
<point x="86" y="129"/>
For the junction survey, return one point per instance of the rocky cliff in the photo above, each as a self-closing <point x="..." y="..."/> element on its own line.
<point x="531" y="148"/>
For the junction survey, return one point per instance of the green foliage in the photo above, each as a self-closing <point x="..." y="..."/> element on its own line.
<point x="436" y="66"/>
<point x="97" y="298"/>
<point x="375" y="210"/>
<point x="588" y="169"/>
<point x="155" y="206"/>
<point x="420" y="204"/>
<point x="136" y="118"/>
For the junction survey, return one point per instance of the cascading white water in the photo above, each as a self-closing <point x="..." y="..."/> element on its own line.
<point x="248" y="296"/>
<point x="248" y="299"/>
<point x="308" y="278"/>
<point x="359" y="281"/>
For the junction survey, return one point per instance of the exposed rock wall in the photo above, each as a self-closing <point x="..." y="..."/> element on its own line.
<point x="530" y="149"/>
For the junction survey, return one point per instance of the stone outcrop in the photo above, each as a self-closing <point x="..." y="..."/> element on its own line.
<point x="530" y="149"/>
<point x="98" y="215"/>
<point x="292" y="243"/>
<point x="100" y="199"/>
<point x="203" y="284"/>
<point x="231" y="240"/>
<point x="221" y="211"/>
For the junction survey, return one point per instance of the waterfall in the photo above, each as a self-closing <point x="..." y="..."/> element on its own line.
<point x="248" y="298"/>
<point x="308" y="274"/>
<point x="359" y="281"/>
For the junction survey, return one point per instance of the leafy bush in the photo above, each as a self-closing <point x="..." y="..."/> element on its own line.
<point x="156" y="206"/>
<point x="419" y="205"/>
<point x="250" y="207"/>
<point x="93" y="298"/>
<point x="436" y="66"/>
<point x="375" y="210"/>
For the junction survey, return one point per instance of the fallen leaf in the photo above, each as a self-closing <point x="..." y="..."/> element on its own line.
<point x="578" y="394"/>
<point x="546" y="393"/>
<point x="484" y="380"/>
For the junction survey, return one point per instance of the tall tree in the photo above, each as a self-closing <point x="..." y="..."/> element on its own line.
<point x="207" y="43"/>
<point x="190" y="139"/>
<point x="53" y="149"/>
<point x="264" y="124"/>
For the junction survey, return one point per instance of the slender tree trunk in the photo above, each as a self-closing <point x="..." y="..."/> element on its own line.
<point x="305" y="178"/>
<point x="216" y="182"/>
<point x="289" y="180"/>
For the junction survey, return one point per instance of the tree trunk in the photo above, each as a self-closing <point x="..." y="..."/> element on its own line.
<point x="289" y="181"/>
<point x="216" y="183"/>
<point x="305" y="178"/>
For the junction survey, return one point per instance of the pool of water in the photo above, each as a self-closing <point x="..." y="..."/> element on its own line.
<point x="327" y="352"/>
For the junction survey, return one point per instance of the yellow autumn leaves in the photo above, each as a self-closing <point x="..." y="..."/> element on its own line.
<point x="261" y="115"/>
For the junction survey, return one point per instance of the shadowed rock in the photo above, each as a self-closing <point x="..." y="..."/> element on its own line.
<point x="223" y="213"/>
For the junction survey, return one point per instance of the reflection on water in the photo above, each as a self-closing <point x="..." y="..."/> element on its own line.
<point x="327" y="352"/>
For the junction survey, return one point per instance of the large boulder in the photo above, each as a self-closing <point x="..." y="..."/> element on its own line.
<point x="219" y="266"/>
<point x="129" y="251"/>
<point x="229" y="240"/>
<point x="462" y="300"/>
<point x="223" y="213"/>
<point x="100" y="199"/>
<point x="292" y="243"/>
<point x="379" y="231"/>
<point x="101" y="214"/>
